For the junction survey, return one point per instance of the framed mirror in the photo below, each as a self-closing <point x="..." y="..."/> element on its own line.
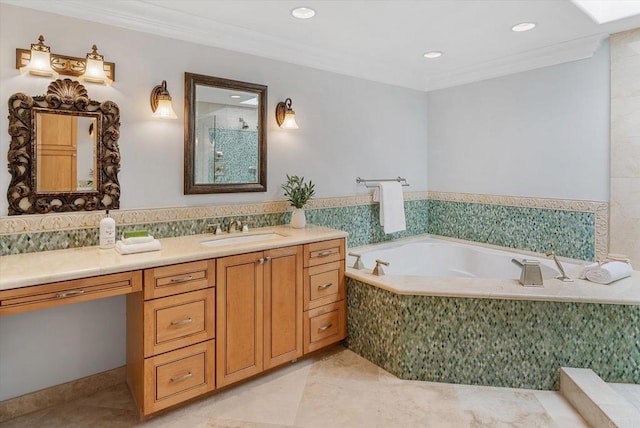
<point x="64" y="153"/>
<point x="225" y="147"/>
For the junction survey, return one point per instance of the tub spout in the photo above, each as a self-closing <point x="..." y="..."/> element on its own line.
<point x="531" y="274"/>
<point x="563" y="276"/>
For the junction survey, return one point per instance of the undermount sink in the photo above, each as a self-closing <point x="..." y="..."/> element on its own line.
<point x="240" y="239"/>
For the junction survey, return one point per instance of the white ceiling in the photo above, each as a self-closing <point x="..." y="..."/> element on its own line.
<point x="376" y="40"/>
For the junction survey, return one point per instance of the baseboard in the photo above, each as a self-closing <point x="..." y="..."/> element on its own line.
<point x="59" y="394"/>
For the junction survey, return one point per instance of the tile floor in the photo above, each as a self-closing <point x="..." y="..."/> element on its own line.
<point x="335" y="389"/>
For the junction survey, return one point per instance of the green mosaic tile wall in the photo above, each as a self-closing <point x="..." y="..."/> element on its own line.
<point x="510" y="343"/>
<point x="568" y="233"/>
<point x="361" y="221"/>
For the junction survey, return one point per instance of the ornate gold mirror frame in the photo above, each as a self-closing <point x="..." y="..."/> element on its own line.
<point x="70" y="98"/>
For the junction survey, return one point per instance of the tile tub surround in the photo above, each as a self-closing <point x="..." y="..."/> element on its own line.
<point x="495" y="342"/>
<point x="356" y="215"/>
<point x="574" y="229"/>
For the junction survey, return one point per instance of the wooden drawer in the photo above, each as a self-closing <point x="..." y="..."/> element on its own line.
<point x="322" y="252"/>
<point x="177" y="321"/>
<point x="60" y="293"/>
<point x="325" y="325"/>
<point x="178" y="376"/>
<point x="324" y="284"/>
<point x="169" y="280"/>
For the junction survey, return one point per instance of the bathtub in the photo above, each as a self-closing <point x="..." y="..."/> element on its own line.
<point x="430" y="257"/>
<point x="455" y="312"/>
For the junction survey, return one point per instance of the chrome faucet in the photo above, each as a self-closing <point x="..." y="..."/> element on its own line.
<point x="563" y="276"/>
<point x="531" y="274"/>
<point x="233" y="225"/>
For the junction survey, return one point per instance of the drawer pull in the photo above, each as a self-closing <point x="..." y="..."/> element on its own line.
<point x="324" y="286"/>
<point x="182" y="322"/>
<point x="325" y="327"/>
<point x="325" y="254"/>
<point x="181" y="378"/>
<point x="261" y="260"/>
<point x="69" y="294"/>
<point x="183" y="279"/>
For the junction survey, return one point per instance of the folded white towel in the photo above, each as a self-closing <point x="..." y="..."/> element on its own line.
<point x="607" y="273"/>
<point x="136" y="240"/>
<point x="581" y="272"/>
<point x="392" y="207"/>
<point x="138" y="248"/>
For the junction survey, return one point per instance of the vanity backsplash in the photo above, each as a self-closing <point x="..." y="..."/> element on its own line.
<point x="356" y="215"/>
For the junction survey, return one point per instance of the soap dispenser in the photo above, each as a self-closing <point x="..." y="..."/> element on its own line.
<point x="107" y="232"/>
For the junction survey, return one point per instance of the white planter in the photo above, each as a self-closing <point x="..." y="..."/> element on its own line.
<point x="298" y="218"/>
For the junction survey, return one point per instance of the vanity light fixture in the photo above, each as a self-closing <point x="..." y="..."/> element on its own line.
<point x="523" y="26"/>
<point x="285" y="116"/>
<point x="161" y="102"/>
<point x="40" y="61"/>
<point x="94" y="68"/>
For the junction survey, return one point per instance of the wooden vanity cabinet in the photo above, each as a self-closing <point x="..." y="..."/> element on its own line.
<point x="259" y="312"/>
<point x="325" y="319"/>
<point x="171" y="335"/>
<point x="207" y="324"/>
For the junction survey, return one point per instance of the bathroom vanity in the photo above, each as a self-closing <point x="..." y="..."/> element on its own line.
<point x="206" y="311"/>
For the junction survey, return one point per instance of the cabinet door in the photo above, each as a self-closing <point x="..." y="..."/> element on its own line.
<point x="239" y="317"/>
<point x="282" y="305"/>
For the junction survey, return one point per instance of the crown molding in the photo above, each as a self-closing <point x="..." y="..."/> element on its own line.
<point x="572" y="50"/>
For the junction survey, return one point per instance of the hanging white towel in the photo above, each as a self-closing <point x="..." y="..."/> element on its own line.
<point x="392" y="207"/>
<point x="609" y="272"/>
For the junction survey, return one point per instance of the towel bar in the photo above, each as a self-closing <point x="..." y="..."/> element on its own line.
<point x="366" y="181"/>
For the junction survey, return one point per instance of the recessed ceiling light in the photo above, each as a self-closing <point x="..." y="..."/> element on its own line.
<point x="432" y="54"/>
<point x="303" y="12"/>
<point x="523" y="26"/>
<point x="235" y="96"/>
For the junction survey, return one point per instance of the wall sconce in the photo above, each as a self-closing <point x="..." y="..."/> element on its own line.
<point x="40" y="61"/>
<point x="94" y="69"/>
<point x="161" y="102"/>
<point x="285" y="116"/>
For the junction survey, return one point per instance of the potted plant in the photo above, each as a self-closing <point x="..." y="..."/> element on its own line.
<point x="298" y="194"/>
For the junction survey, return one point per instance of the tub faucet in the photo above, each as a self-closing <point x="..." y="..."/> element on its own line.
<point x="563" y="276"/>
<point x="531" y="274"/>
<point x="378" y="269"/>
<point x="358" y="264"/>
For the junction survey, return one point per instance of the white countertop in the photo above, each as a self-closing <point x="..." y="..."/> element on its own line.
<point x="22" y="270"/>
<point x="623" y="292"/>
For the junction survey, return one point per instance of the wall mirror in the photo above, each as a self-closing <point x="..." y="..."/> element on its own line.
<point x="225" y="148"/>
<point x="64" y="153"/>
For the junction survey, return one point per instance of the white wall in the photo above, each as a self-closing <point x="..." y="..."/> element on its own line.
<point x="348" y="127"/>
<point x="541" y="133"/>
